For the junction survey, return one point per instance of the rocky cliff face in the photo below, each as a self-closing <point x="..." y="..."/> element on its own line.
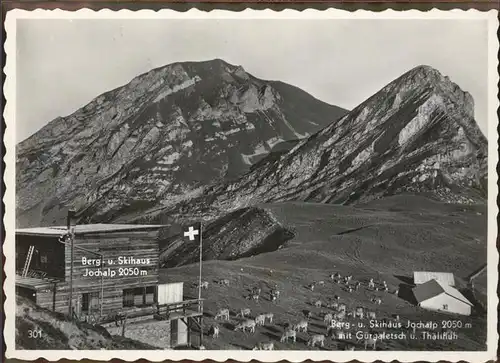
<point x="242" y="233"/>
<point x="415" y="135"/>
<point x="159" y="140"/>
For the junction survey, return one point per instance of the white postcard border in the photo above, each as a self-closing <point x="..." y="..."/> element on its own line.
<point x="222" y="355"/>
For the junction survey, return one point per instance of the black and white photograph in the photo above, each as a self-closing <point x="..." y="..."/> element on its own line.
<point x="195" y="185"/>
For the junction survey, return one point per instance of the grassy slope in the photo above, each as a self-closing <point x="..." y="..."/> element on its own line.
<point x="382" y="239"/>
<point x="58" y="333"/>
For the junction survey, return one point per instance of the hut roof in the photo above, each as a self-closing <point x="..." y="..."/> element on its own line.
<point x="420" y="277"/>
<point x="56" y="231"/>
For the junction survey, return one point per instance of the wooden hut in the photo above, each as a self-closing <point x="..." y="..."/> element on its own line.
<point x="114" y="266"/>
<point x="110" y="272"/>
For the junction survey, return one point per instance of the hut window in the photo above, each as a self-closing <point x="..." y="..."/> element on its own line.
<point x="139" y="296"/>
<point x="128" y="297"/>
<point x="43" y="259"/>
<point x="150" y="295"/>
<point x="445" y="307"/>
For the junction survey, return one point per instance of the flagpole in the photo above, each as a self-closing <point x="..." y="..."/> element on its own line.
<point x="201" y="239"/>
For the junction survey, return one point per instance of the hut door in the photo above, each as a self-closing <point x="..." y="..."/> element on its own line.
<point x="182" y="338"/>
<point x="178" y="333"/>
<point x="174" y="332"/>
<point x="77" y="305"/>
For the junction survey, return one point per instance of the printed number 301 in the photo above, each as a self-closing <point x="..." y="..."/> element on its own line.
<point x="34" y="334"/>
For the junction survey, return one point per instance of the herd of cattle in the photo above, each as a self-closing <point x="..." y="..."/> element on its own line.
<point x="334" y="317"/>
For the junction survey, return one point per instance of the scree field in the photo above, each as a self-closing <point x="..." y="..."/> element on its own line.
<point x="385" y="240"/>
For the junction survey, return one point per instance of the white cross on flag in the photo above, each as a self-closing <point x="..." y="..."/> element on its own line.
<point x="192" y="232"/>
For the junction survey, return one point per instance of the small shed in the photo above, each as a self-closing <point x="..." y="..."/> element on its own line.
<point x="421" y="277"/>
<point x="434" y="295"/>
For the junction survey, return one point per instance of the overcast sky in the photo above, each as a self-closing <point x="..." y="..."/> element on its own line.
<point x="64" y="64"/>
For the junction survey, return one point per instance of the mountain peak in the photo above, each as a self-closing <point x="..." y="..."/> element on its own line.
<point x="426" y="70"/>
<point x="426" y="79"/>
<point x="158" y="139"/>
<point x="416" y="135"/>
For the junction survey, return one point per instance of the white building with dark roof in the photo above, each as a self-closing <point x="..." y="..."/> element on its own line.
<point x="438" y="296"/>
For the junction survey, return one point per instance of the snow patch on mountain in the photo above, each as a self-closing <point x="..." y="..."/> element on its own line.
<point x="168" y="91"/>
<point x="274" y="141"/>
<point x="170" y="159"/>
<point x="299" y="136"/>
<point x="249" y="126"/>
<point x="232" y="131"/>
<point x="259" y="150"/>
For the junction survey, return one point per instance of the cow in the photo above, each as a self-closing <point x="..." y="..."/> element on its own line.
<point x="260" y="319"/>
<point x="359" y="312"/>
<point x="269" y="316"/>
<point x="256" y="291"/>
<point x="327" y="318"/>
<point x="339" y="316"/>
<point x="247" y="324"/>
<point x="275" y="294"/>
<point x="254" y="297"/>
<point x="333" y="305"/>
<point x="215" y="331"/>
<point x="244" y="312"/>
<point x="222" y="313"/>
<point x="317" y="338"/>
<point x="371" y="341"/>
<point x="301" y="326"/>
<point x="330" y="331"/>
<point x="371" y="284"/>
<point x="264" y="346"/>
<point x="289" y="334"/>
<point x="224" y="282"/>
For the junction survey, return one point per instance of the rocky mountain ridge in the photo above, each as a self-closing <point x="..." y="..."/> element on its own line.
<point x="416" y="135"/>
<point x="243" y="233"/>
<point x="158" y="140"/>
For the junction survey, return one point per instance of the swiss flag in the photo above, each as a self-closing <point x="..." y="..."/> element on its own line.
<point x="192" y="232"/>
